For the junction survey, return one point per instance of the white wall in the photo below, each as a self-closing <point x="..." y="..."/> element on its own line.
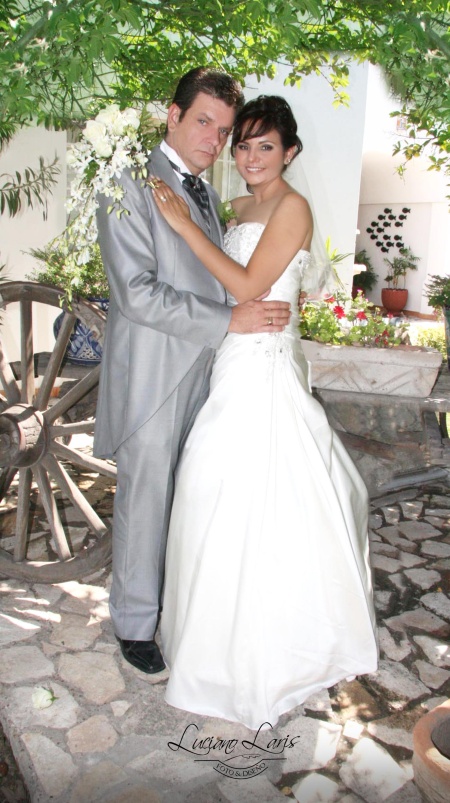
<point x="426" y="230"/>
<point x="28" y="229"/>
<point x="332" y="151"/>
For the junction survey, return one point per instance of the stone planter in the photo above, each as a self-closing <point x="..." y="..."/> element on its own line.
<point x="398" y="371"/>
<point x="431" y="768"/>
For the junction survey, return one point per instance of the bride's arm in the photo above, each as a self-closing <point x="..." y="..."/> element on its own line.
<point x="288" y="230"/>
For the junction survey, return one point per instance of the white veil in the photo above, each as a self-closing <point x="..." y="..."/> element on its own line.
<point x="320" y="278"/>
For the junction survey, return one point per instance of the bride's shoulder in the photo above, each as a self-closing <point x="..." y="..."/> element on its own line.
<point x="292" y="203"/>
<point x="240" y="204"/>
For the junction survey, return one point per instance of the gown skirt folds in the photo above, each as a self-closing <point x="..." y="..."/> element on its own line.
<point x="268" y="595"/>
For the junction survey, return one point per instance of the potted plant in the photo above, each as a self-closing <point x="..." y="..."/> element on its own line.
<point x="394" y="298"/>
<point x="437" y="291"/>
<point x="366" y="279"/>
<point x="351" y="346"/>
<point x="89" y="282"/>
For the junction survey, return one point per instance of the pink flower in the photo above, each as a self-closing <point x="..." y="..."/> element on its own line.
<point x="361" y="316"/>
<point x="339" y="311"/>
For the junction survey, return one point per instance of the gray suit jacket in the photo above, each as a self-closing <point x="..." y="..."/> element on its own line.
<point x="165" y="307"/>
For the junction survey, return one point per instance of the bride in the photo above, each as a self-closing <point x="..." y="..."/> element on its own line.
<point x="268" y="593"/>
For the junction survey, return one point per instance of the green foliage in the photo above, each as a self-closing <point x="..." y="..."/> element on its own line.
<point x="349" y="322"/>
<point x="366" y="280"/>
<point x="437" y="291"/>
<point x="62" y="60"/>
<point x="226" y="212"/>
<point x="432" y="337"/>
<point x="30" y="188"/>
<point x="89" y="281"/>
<point x="400" y="265"/>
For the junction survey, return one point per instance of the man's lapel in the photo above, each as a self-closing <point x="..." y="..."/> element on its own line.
<point x="216" y="225"/>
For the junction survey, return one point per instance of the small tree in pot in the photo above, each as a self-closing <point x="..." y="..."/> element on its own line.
<point x="88" y="281"/>
<point x="394" y="298"/>
<point x="384" y="231"/>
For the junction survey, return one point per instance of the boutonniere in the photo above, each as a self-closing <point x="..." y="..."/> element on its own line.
<point x="226" y="212"/>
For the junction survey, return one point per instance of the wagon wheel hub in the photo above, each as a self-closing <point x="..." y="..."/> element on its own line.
<point x="23" y="436"/>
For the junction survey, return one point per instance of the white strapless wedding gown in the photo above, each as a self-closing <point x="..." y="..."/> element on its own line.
<point x="268" y="592"/>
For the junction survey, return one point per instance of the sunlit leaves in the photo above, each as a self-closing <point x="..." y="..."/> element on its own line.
<point x="62" y="60"/>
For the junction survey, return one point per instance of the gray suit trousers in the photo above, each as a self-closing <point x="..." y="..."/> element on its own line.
<point x="145" y="481"/>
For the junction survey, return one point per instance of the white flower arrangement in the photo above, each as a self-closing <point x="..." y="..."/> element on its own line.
<point x="112" y="141"/>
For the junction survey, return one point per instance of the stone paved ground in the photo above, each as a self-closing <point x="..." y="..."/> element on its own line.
<point x="109" y="736"/>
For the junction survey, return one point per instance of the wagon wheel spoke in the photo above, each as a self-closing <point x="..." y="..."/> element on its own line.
<point x="27" y="352"/>
<point x="54" y="364"/>
<point x="10" y="386"/>
<point x="6" y="477"/>
<point x="51" y="511"/>
<point x="73" y="493"/>
<point x="84" y="460"/>
<point x="23" y="513"/>
<point x="73" y="396"/>
<point x="75" y="428"/>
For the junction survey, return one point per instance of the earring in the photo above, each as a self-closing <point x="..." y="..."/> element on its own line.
<point x="287" y="162"/>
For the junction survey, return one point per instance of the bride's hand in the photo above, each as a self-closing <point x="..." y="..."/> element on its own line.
<point x="172" y="207"/>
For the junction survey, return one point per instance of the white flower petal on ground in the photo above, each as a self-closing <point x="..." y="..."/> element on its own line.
<point x="42" y="698"/>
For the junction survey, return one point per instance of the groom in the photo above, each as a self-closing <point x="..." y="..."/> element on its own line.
<point x="166" y="317"/>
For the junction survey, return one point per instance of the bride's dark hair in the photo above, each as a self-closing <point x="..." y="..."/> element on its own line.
<point x="263" y="114"/>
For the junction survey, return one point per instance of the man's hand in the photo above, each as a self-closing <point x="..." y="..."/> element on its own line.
<point x="259" y="316"/>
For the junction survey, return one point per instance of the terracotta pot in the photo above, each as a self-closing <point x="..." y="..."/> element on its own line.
<point x="394" y="300"/>
<point x="431" y="768"/>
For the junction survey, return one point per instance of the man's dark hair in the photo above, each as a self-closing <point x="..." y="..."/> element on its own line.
<point x="212" y="82"/>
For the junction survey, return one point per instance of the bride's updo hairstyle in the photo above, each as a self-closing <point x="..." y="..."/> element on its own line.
<point x="263" y="114"/>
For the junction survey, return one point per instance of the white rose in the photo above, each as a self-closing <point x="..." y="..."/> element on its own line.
<point x="113" y="119"/>
<point x="132" y="118"/>
<point x="42" y="698"/>
<point x="108" y="115"/>
<point x="96" y="134"/>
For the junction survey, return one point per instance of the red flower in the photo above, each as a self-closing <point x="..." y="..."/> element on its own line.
<point x="361" y="316"/>
<point x="330" y="300"/>
<point x="339" y="311"/>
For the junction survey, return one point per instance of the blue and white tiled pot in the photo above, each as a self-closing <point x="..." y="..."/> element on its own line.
<point x="83" y="348"/>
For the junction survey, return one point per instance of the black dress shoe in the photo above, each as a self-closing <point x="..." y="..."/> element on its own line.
<point x="145" y="655"/>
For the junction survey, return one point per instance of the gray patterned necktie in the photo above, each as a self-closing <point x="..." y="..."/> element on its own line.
<point x="195" y="187"/>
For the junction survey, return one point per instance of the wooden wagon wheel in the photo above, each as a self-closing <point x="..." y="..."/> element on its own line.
<point x="37" y="460"/>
